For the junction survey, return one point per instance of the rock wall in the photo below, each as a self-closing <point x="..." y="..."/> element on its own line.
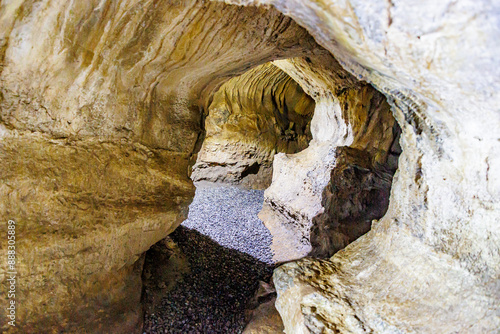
<point x="101" y="106"/>
<point x="250" y="118"/>
<point x="432" y="263"/>
<point x="350" y="116"/>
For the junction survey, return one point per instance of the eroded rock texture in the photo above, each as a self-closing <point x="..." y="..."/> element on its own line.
<point x="432" y="263"/>
<point x="350" y="116"/>
<point x="101" y="116"/>
<point x="101" y="110"/>
<point x="251" y="118"/>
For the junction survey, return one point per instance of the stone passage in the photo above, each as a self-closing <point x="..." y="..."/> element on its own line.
<point x="201" y="279"/>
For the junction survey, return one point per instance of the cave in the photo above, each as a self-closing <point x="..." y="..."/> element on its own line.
<point x="371" y="129"/>
<point x="252" y="118"/>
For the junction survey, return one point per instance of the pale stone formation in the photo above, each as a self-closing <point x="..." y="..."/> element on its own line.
<point x="348" y="113"/>
<point x="252" y="117"/>
<point x="432" y="264"/>
<point x="101" y="107"/>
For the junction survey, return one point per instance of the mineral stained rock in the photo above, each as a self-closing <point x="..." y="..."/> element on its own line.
<point x="349" y="116"/>
<point x="101" y="112"/>
<point x="101" y="109"/>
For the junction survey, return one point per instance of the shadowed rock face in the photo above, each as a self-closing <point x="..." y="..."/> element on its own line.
<point x="349" y="116"/>
<point x="101" y="111"/>
<point x="251" y="118"/>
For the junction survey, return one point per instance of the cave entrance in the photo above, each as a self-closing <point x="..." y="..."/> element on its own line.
<point x="251" y="118"/>
<point x="335" y="156"/>
<point x="209" y="274"/>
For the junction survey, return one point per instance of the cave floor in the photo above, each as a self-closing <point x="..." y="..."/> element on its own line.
<point x="192" y="283"/>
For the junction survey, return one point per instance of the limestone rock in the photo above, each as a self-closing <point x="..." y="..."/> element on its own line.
<point x="85" y="213"/>
<point x="251" y="118"/>
<point x="101" y="111"/>
<point x="265" y="320"/>
<point x="348" y="113"/>
<point x="101" y="108"/>
<point x="432" y="263"/>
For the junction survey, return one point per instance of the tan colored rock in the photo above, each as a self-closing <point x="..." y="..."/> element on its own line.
<point x="266" y="320"/>
<point x="101" y="106"/>
<point x="251" y="118"/>
<point x="296" y="201"/>
<point x="85" y="212"/>
<point x="100" y="114"/>
<point x="164" y="266"/>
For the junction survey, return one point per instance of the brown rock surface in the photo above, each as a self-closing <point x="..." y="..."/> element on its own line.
<point x="432" y="263"/>
<point x="262" y="313"/>
<point x="101" y="106"/>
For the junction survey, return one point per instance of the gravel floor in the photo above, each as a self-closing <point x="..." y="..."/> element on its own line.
<point x="228" y="215"/>
<point x="226" y="265"/>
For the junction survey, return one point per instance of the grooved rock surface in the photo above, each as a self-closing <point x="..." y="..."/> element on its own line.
<point x="101" y="106"/>
<point x="432" y="263"/>
<point x="85" y="212"/>
<point x="251" y="118"/>
<point x="101" y="111"/>
<point x="348" y="113"/>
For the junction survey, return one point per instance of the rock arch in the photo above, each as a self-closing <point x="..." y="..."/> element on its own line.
<point x="101" y="106"/>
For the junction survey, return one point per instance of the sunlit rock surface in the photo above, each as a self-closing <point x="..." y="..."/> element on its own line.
<point x="101" y="112"/>
<point x="101" y="108"/>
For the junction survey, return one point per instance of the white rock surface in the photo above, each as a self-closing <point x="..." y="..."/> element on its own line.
<point x="432" y="263"/>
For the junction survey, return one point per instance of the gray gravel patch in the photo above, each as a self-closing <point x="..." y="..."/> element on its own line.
<point x="228" y="215"/>
<point x="228" y="251"/>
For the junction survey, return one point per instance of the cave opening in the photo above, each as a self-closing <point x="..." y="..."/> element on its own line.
<point x="101" y="121"/>
<point x="213" y="273"/>
<point x="221" y="254"/>
<point x="286" y="134"/>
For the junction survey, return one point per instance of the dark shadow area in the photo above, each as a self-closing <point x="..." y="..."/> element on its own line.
<point x="211" y="297"/>
<point x="357" y="194"/>
<point x="252" y="169"/>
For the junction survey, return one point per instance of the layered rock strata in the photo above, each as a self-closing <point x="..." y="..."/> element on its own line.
<point x="350" y="116"/>
<point x="250" y="118"/>
<point x="432" y="263"/>
<point x="101" y="111"/>
<point x="101" y="107"/>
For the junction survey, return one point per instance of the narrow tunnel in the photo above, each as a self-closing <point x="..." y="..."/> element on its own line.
<point x="213" y="273"/>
